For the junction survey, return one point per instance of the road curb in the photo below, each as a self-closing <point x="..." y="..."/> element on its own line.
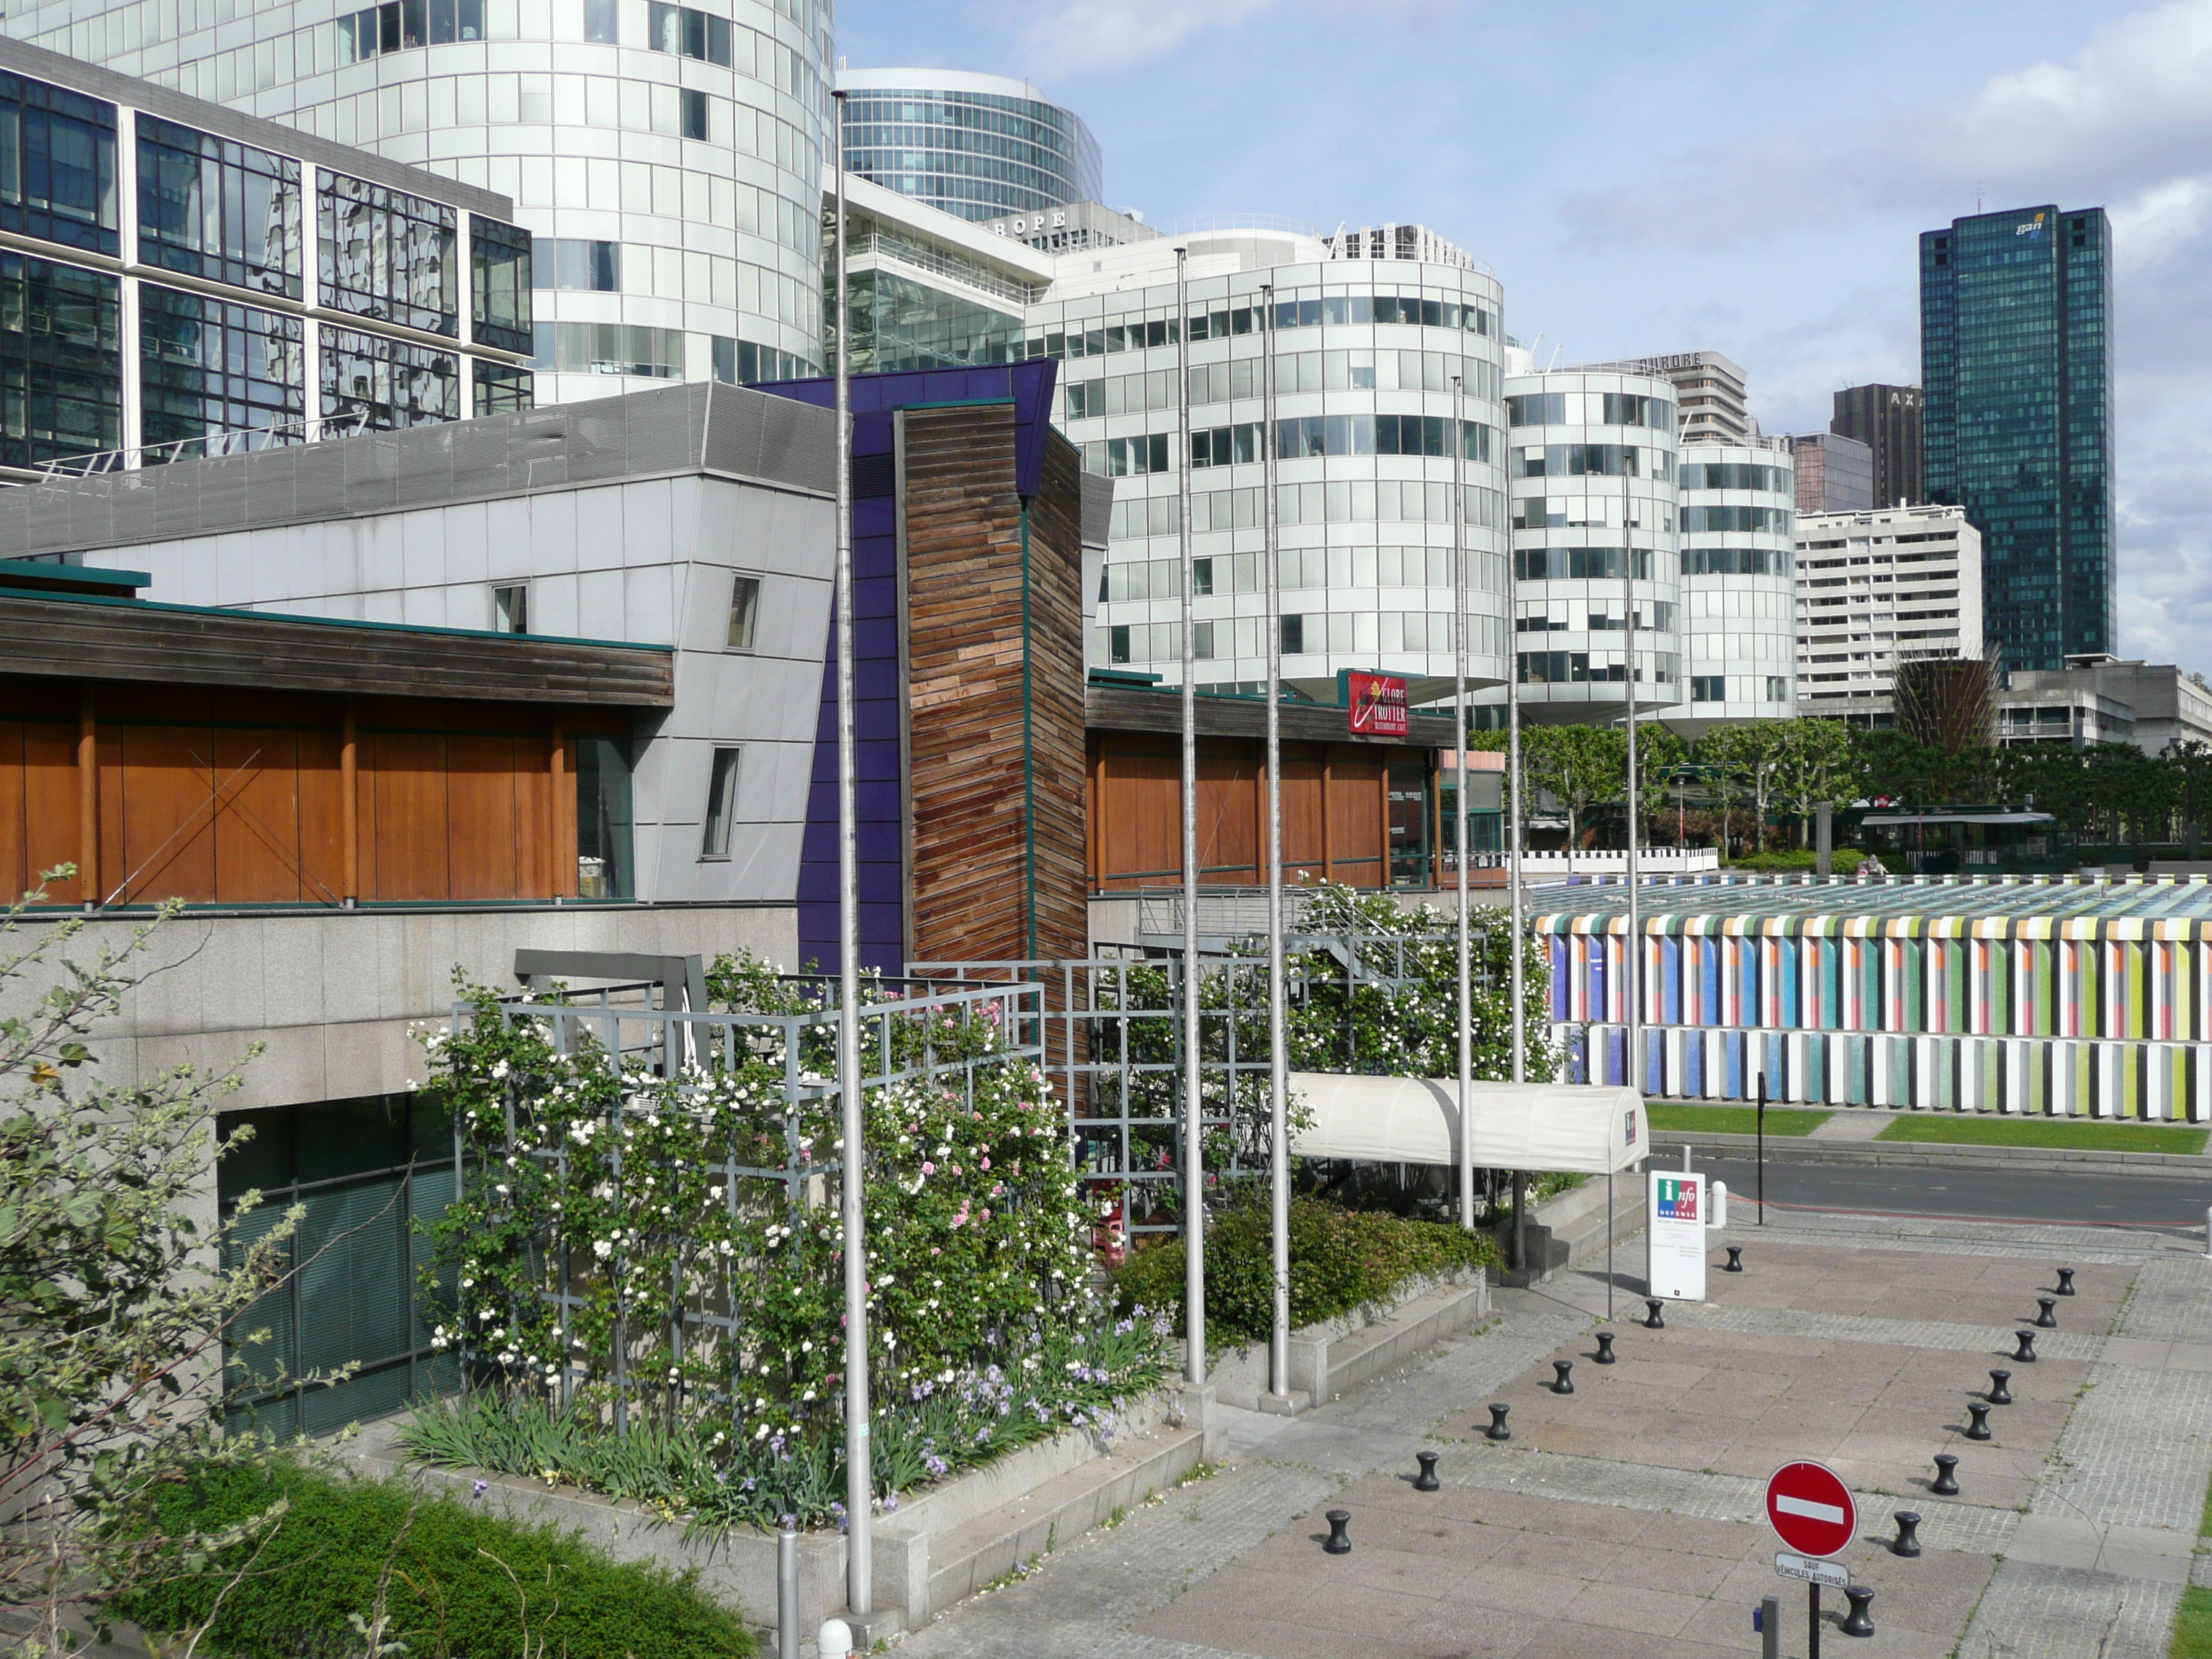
<point x="1800" y="1149"/>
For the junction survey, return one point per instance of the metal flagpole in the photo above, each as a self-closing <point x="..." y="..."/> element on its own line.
<point x="1279" y="1161"/>
<point x="860" y="1484"/>
<point x="1193" y="1135"/>
<point x="1635" y="928"/>
<point x="1459" y="794"/>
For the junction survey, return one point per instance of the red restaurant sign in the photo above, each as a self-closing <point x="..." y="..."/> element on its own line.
<point x="1378" y="705"/>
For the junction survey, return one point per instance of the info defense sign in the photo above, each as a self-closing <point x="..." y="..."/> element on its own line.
<point x="1677" y="1235"/>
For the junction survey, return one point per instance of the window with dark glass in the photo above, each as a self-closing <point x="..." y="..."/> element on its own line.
<point x="510" y="608"/>
<point x="721" y="804"/>
<point x="722" y="349"/>
<point x="694" y="109"/>
<point x="689" y="33"/>
<point x="745" y="612"/>
<point x="605" y="829"/>
<point x="1537" y="409"/>
<point x="207" y="367"/>
<point x="500" y="282"/>
<point x="61" y="362"/>
<point x="388" y="255"/>
<point x="398" y="25"/>
<point x="208" y="207"/>
<point x="387" y="384"/>
<point x="57" y="166"/>
<point x="501" y="390"/>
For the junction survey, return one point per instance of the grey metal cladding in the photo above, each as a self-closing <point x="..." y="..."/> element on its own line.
<point x="1097" y="509"/>
<point x="730" y="431"/>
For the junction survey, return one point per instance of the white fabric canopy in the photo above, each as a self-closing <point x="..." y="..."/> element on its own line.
<point x="1577" y="1128"/>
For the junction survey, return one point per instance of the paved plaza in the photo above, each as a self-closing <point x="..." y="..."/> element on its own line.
<point x="1628" y="1518"/>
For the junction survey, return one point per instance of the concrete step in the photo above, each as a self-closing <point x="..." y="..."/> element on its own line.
<point x="1667" y="1149"/>
<point x="965" y="1559"/>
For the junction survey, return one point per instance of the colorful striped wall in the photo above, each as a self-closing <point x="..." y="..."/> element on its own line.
<point x="2075" y="999"/>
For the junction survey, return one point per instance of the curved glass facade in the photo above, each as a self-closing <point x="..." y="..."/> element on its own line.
<point x="1738" y="581"/>
<point x="1364" y="437"/>
<point x="1591" y="460"/>
<point x="973" y="145"/>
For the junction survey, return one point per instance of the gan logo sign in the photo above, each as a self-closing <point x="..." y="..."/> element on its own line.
<point x="2032" y="229"/>
<point x="1378" y="705"/>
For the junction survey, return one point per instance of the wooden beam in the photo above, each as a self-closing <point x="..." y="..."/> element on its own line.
<point x="349" y="801"/>
<point x="1328" y="830"/>
<point x="87" y="802"/>
<point x="561" y="834"/>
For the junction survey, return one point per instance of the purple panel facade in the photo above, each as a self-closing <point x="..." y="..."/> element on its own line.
<point x="881" y="792"/>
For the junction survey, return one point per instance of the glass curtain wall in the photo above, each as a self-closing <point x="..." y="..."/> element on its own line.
<point x="224" y="211"/>
<point x="389" y="256"/>
<point x="61" y="360"/>
<point x="57" y="166"/>
<point x="207" y="367"/>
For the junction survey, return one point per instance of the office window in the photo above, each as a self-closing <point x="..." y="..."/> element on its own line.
<point x="1778" y="687"/>
<point x="57" y="166"/>
<point x="694" y="113"/>
<point x="225" y="211"/>
<point x="1294" y="635"/>
<point x="611" y="349"/>
<point x="388" y="255"/>
<point x="723" y="351"/>
<point x="510" y="608"/>
<point x="501" y="390"/>
<point x="689" y="33"/>
<point x="1710" y="688"/>
<point x="605" y="824"/>
<point x="207" y="367"/>
<point x="745" y="612"/>
<point x="61" y="360"/>
<point x="721" y="803"/>
<point x="401" y="25"/>
<point x="579" y="266"/>
<point x="499" y="286"/>
<point x="599" y="21"/>
<point x="391" y="383"/>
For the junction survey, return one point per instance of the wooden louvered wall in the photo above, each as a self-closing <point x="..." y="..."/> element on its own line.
<point x="220" y="797"/>
<point x="969" y="859"/>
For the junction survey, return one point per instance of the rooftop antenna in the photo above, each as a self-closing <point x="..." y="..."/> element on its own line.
<point x="1555" y="359"/>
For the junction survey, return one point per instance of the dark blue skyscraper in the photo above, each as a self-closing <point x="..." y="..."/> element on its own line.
<point x="2016" y="358"/>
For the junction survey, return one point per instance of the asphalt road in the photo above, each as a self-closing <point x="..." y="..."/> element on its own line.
<point x="2017" y="1194"/>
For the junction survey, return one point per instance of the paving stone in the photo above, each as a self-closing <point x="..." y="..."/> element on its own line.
<point x="2035" y="1611"/>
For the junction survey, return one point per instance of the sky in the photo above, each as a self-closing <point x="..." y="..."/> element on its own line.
<point x="1643" y="178"/>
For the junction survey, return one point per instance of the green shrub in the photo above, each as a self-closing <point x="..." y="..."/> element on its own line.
<point x="1845" y="860"/>
<point x="1339" y="1258"/>
<point x="450" y="1595"/>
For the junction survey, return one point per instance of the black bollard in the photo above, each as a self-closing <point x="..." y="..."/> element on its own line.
<point x="1999" y="1395"/>
<point x="1426" y="1480"/>
<point x="1947" y="1478"/>
<point x="1565" y="1382"/>
<point x="1979" y="1428"/>
<point x="2065" y="1281"/>
<point x="1855" y="1622"/>
<point x="1498" y="1430"/>
<point x="1605" y="1356"/>
<point x="1735" y="1261"/>
<point x="2027" y="1354"/>
<point x="1339" y="1543"/>
<point x="2047" y="1320"/>
<point x="1907" y="1541"/>
<point x="1654" y="1323"/>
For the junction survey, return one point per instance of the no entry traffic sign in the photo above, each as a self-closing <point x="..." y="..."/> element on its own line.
<point x="1810" y="1509"/>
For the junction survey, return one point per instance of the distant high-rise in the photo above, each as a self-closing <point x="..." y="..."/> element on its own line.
<point x="1835" y="474"/>
<point x="979" y="146"/>
<point x="1886" y="419"/>
<point x="2016" y="357"/>
<point x="1712" y="393"/>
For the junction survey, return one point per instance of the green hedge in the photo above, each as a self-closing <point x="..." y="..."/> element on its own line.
<point x="450" y="1596"/>
<point x="1339" y="1258"/>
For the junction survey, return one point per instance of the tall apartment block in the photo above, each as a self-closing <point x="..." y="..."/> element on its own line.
<point x="177" y="280"/>
<point x="668" y="158"/>
<point x="1876" y="589"/>
<point x="1886" y="419"/>
<point x="2016" y="360"/>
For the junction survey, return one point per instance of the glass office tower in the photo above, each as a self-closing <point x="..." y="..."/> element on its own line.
<point x="974" y="145"/>
<point x="667" y="157"/>
<point x="2015" y="354"/>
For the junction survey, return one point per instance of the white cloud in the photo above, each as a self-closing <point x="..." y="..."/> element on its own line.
<point x="1084" y="36"/>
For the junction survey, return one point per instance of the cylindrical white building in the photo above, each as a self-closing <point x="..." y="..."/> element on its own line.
<point x="1367" y="437"/>
<point x="667" y="158"/>
<point x="1739" y="583"/>
<point x="1592" y="457"/>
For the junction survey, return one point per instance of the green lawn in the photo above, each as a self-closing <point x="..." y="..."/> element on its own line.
<point x="2192" y="1627"/>
<point x="2071" y="1134"/>
<point x="1731" y="1120"/>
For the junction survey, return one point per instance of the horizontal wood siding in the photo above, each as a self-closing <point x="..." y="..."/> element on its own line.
<point x="971" y="844"/>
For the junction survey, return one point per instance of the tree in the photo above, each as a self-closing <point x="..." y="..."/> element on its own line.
<point x="118" y="1294"/>
<point x="1579" y="766"/>
<point x="1894" y="765"/>
<point x="1660" y="755"/>
<point x="2191" y="760"/>
<point x="1812" y="766"/>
